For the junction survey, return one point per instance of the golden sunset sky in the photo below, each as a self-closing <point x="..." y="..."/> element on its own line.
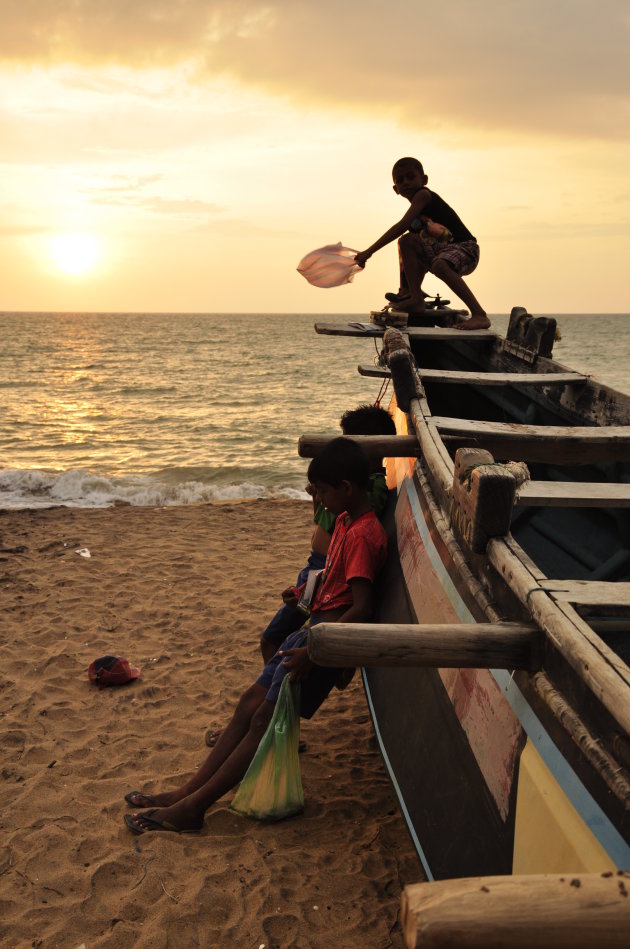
<point x="184" y="155"/>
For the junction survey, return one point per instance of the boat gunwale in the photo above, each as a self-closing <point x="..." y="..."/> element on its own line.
<point x="597" y="663"/>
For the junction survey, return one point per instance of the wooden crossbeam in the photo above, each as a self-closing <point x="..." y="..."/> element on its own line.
<point x="559" y="444"/>
<point x="382" y="446"/>
<point x="549" y="911"/>
<point x="414" y="332"/>
<point x="453" y="377"/>
<point x="590" y="593"/>
<point x="573" y="494"/>
<point x="447" y="645"/>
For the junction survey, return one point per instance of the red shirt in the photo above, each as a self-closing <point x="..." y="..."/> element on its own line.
<point x="356" y="550"/>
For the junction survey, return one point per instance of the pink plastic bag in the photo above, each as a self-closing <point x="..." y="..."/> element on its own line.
<point x="329" y="266"/>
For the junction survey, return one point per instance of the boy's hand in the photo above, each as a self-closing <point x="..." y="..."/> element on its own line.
<point x="362" y="258"/>
<point x="289" y="596"/>
<point x="297" y="661"/>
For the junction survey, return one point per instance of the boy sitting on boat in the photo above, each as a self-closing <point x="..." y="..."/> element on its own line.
<point x="357" y="551"/>
<point x="364" y="420"/>
<point x="431" y="239"/>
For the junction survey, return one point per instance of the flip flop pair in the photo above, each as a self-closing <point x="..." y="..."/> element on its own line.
<point x="137" y="823"/>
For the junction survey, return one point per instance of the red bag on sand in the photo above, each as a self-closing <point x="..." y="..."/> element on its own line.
<point x="329" y="266"/>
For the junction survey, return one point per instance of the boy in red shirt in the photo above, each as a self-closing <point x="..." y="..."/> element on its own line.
<point x="357" y="551"/>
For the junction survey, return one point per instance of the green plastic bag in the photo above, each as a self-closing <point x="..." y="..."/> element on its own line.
<point x="272" y="786"/>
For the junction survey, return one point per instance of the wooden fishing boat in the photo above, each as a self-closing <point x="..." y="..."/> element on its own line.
<point x="497" y="671"/>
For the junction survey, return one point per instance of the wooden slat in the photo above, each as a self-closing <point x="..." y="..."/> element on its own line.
<point x="594" y="593"/>
<point x="448" y="376"/>
<point x="385" y="446"/>
<point x="415" y="332"/>
<point x="548" y="911"/>
<point x="439" y="646"/>
<point x="560" y="444"/>
<point x="573" y="494"/>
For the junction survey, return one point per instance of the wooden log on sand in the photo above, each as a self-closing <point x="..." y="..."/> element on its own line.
<point x="548" y="911"/>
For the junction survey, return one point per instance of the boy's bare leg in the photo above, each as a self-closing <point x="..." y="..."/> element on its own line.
<point x="188" y="812"/>
<point x="478" y="318"/>
<point x="268" y="650"/>
<point x="229" y="739"/>
<point x="415" y="272"/>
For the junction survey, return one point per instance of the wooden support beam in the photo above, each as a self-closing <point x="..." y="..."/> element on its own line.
<point x="441" y="646"/>
<point x="596" y="594"/>
<point x="548" y="911"/>
<point x="382" y="446"/>
<point x="415" y="332"/>
<point x="573" y="494"/>
<point x="558" y="444"/>
<point x="453" y="377"/>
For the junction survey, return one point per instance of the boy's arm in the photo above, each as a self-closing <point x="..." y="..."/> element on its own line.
<point x="418" y="203"/>
<point x="360" y="611"/>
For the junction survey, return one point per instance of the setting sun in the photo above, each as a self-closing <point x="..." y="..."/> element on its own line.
<point x="75" y="253"/>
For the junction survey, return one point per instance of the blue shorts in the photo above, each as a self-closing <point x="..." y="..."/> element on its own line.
<point x="288" y="618"/>
<point x="313" y="690"/>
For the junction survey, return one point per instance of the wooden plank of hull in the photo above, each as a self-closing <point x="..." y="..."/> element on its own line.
<point x="454" y="377"/>
<point x="573" y="494"/>
<point x="415" y="332"/>
<point x="477" y="700"/>
<point x="444" y="793"/>
<point x="557" y="444"/>
<point x="549" y="911"/>
<point x="412" y="710"/>
<point x="433" y="567"/>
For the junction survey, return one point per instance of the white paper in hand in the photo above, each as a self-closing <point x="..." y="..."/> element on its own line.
<point x="329" y="266"/>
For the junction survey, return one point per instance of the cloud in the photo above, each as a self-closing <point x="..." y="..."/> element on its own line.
<point x="498" y="66"/>
<point x="130" y="192"/>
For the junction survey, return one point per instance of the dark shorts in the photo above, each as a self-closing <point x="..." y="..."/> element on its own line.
<point x="313" y="690"/>
<point x="462" y="257"/>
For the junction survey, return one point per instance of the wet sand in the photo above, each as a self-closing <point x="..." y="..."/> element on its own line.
<point x="182" y="592"/>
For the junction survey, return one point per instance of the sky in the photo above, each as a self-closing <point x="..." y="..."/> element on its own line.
<point x="183" y="156"/>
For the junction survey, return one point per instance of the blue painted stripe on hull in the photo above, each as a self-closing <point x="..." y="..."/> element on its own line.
<point x="581" y="799"/>
<point x="392" y="778"/>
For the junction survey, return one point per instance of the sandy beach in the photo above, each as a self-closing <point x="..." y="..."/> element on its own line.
<point x="182" y="592"/>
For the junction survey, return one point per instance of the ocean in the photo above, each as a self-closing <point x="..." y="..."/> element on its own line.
<point x="159" y="409"/>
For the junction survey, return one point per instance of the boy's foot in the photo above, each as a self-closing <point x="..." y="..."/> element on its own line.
<point x="398" y="297"/>
<point x="159" y="819"/>
<point x="474" y="323"/>
<point x="402" y="295"/>
<point x="411" y="305"/>
<point x="138" y="799"/>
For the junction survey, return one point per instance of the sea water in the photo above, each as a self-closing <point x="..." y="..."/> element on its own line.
<point x="156" y="409"/>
